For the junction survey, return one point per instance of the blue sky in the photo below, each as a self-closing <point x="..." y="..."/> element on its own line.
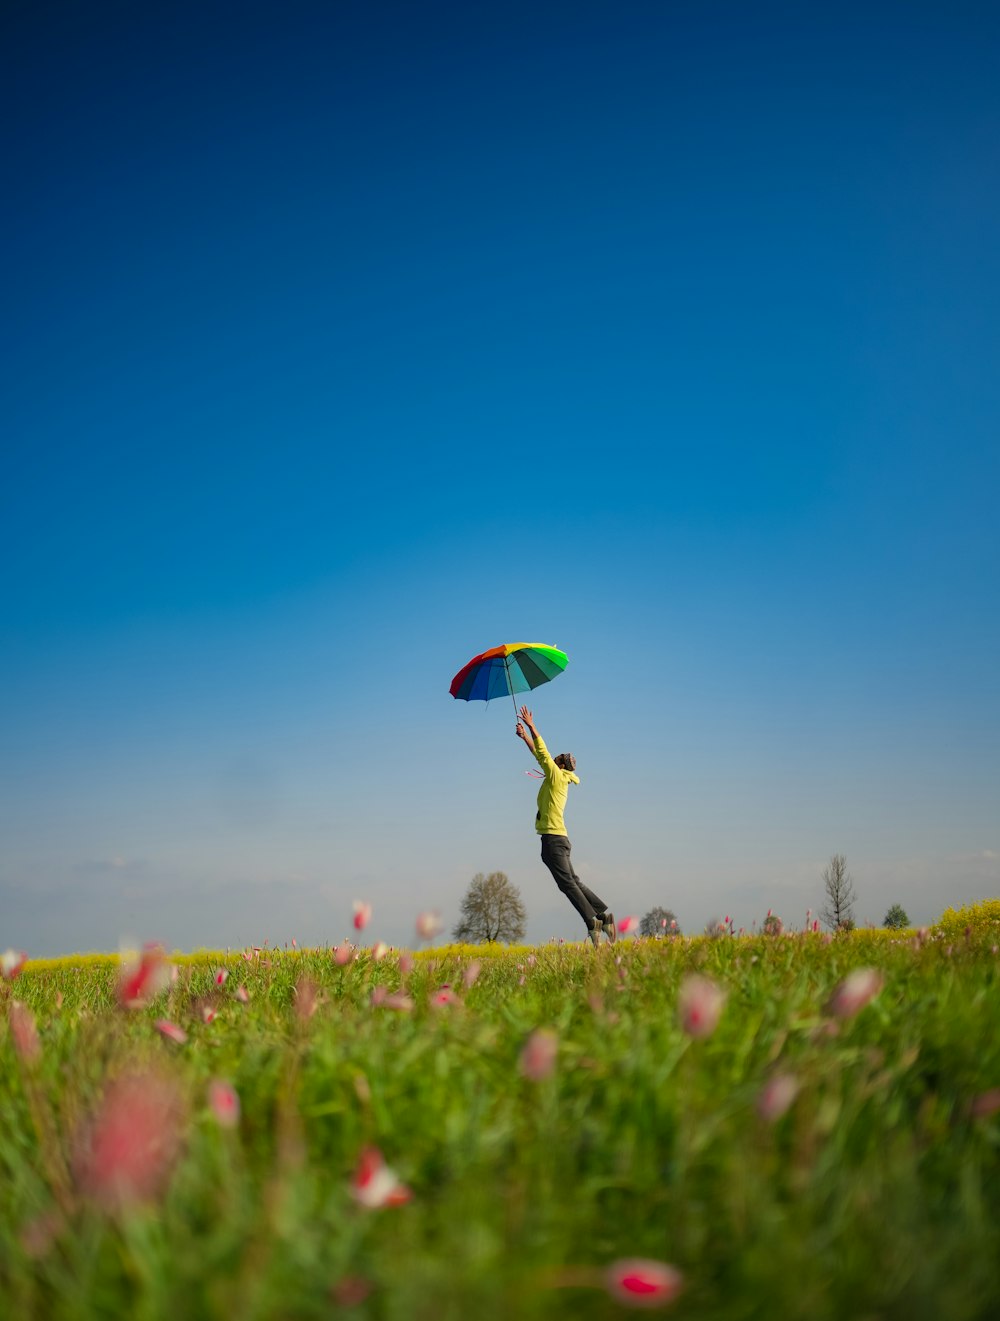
<point x="344" y="342"/>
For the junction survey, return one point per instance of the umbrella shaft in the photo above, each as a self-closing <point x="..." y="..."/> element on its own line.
<point x="510" y="686"/>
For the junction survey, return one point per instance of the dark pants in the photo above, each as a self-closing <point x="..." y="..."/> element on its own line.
<point x="555" y="855"/>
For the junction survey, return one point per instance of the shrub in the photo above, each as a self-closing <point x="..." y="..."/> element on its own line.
<point x="981" y="920"/>
<point x="896" y="918"/>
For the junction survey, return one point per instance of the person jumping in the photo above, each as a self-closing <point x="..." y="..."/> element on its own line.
<point x="558" y="774"/>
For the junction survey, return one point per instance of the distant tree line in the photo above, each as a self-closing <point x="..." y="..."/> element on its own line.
<point x="492" y="910"/>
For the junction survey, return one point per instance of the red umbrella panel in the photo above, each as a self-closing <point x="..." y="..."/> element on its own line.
<point x="513" y="667"/>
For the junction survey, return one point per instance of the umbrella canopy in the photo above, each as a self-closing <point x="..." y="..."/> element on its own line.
<point x="513" y="667"/>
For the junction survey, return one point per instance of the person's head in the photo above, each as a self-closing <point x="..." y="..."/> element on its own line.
<point x="565" y="761"/>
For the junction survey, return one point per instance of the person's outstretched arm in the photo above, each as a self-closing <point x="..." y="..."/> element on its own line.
<point x="536" y="743"/>
<point x="527" y="719"/>
<point x="521" y="732"/>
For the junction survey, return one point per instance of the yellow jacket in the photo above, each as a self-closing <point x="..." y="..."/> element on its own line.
<point x="552" y="793"/>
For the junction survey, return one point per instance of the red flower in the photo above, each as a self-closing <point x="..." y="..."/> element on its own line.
<point x="141" y="981"/>
<point x="11" y="963"/>
<point x="171" y="1031"/>
<point x="24" y="1032"/>
<point x="641" y="1283"/>
<point x="428" y="925"/>
<point x="362" y="914"/>
<point x="854" y="992"/>
<point x="350" y="1290"/>
<point x="776" y="1097"/>
<point x="398" y="1000"/>
<point x="306" y="998"/>
<point x="699" y="1005"/>
<point x="538" y="1057"/>
<point x="374" y="1184"/>
<point x="133" y="1141"/>
<point x="986" y="1104"/>
<point x="225" y="1103"/>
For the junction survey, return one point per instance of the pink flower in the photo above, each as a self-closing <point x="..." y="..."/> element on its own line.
<point x="405" y="964"/>
<point x="242" y="994"/>
<point x="344" y="953"/>
<point x="207" y="1014"/>
<point x="133" y="1140"/>
<point x="538" y="1057"/>
<point x="171" y="1031"/>
<point x="627" y="924"/>
<point x="699" y="1004"/>
<point x="362" y="914"/>
<point x="220" y="977"/>
<point x="379" y="950"/>
<point x="374" y="1184"/>
<point x="143" y="980"/>
<point x="24" y="1032"/>
<point x="471" y="973"/>
<point x="11" y="963"/>
<point x="854" y="992"/>
<point x="776" y="1097"/>
<point x="306" y="998"/>
<point x="225" y="1103"/>
<point x="641" y="1283"/>
<point x="444" y="997"/>
<point x="350" y="1290"/>
<point x="39" y="1234"/>
<point x="428" y="925"/>
<point x="986" y="1104"/>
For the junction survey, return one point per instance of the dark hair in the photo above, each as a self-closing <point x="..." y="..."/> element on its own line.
<point x="565" y="761"/>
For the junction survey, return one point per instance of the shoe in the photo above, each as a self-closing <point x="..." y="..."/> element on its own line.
<point x="608" y="927"/>
<point x="594" y="932"/>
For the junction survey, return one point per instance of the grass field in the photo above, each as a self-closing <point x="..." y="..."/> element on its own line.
<point x="545" y="1117"/>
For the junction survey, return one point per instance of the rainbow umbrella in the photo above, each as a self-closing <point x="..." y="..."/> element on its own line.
<point x="513" y="667"/>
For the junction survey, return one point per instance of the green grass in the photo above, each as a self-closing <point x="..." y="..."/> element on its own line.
<point x="876" y="1195"/>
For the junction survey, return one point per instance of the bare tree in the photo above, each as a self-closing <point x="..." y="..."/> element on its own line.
<point x="491" y="910"/>
<point x="838" y="913"/>
<point x="659" y="922"/>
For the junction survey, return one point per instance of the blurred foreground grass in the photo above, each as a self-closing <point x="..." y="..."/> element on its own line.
<point x="871" y="1188"/>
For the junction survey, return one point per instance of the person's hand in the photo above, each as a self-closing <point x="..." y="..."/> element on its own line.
<point x="520" y="730"/>
<point x="526" y="716"/>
